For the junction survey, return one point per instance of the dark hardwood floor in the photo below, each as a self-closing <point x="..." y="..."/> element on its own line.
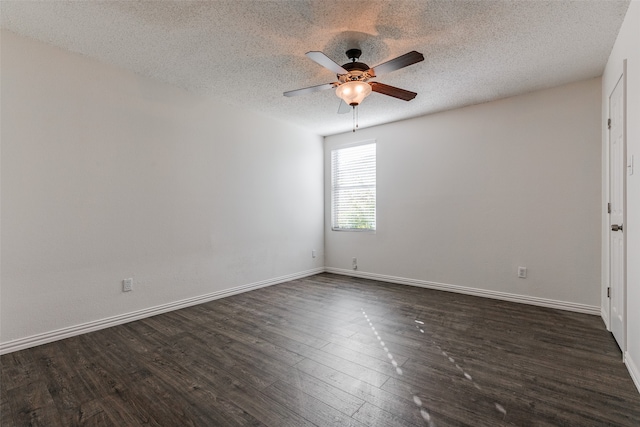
<point x="330" y="350"/>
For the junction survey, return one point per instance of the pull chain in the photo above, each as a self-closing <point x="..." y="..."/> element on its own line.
<point x="355" y="117"/>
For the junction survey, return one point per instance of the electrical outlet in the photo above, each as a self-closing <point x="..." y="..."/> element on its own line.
<point x="354" y="263"/>
<point x="127" y="285"/>
<point x="313" y="253"/>
<point x="522" y="272"/>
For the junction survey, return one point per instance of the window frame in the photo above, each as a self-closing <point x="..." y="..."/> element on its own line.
<point x="333" y="186"/>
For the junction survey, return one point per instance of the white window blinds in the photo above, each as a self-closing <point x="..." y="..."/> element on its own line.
<point x="353" y="188"/>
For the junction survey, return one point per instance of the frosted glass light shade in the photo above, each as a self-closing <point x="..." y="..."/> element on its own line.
<point x="352" y="93"/>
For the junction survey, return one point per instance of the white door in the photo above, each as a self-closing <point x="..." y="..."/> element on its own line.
<point x="616" y="226"/>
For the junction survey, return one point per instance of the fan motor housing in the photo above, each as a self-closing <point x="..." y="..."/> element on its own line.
<point x="355" y="66"/>
<point x="357" y="71"/>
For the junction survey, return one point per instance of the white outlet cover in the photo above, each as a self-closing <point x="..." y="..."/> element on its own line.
<point x="127" y="285"/>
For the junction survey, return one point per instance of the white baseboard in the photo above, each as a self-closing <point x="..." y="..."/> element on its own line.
<point x="605" y="317"/>
<point x="633" y="369"/>
<point x="59" y="334"/>
<point x="524" y="299"/>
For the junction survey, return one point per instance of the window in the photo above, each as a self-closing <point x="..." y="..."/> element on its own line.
<point x="353" y="188"/>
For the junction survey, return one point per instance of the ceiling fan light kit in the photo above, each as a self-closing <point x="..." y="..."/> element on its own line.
<point x="353" y="92"/>
<point x="352" y="85"/>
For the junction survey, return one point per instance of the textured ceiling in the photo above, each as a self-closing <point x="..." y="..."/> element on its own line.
<point x="247" y="53"/>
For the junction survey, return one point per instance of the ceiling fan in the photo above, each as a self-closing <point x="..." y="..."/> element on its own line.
<point x="353" y="83"/>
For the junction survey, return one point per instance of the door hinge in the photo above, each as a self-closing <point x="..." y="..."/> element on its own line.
<point x="608" y="123"/>
<point x="608" y="292"/>
<point x="609" y="207"/>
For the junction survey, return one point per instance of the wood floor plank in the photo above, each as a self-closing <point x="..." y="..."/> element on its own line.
<point x="370" y="415"/>
<point x="65" y="384"/>
<point x="198" y="393"/>
<point x="363" y="390"/>
<point x="437" y="396"/>
<point x="251" y="400"/>
<point x="18" y="369"/>
<point x="323" y="312"/>
<point x="333" y="396"/>
<point x="93" y="413"/>
<point x="312" y="409"/>
<point x="222" y="355"/>
<point x="376" y="359"/>
<point x="303" y="353"/>
<point x="241" y="333"/>
<point x="7" y="406"/>
<point x="360" y="372"/>
<point x="352" y="349"/>
<point x="269" y="326"/>
<point x="32" y="405"/>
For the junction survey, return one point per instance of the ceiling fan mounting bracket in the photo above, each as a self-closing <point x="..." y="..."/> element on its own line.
<point x="353" y="54"/>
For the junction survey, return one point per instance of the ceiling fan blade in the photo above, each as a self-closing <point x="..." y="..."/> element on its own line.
<point x="326" y="62"/>
<point x="393" y="91"/>
<point x="399" y="62"/>
<point x="344" y="108"/>
<point x="310" y="89"/>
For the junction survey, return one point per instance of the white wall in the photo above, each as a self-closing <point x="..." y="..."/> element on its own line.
<point x="108" y="175"/>
<point x="464" y="197"/>
<point x="627" y="47"/>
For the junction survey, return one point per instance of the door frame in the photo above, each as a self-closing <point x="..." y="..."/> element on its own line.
<point x="623" y="80"/>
